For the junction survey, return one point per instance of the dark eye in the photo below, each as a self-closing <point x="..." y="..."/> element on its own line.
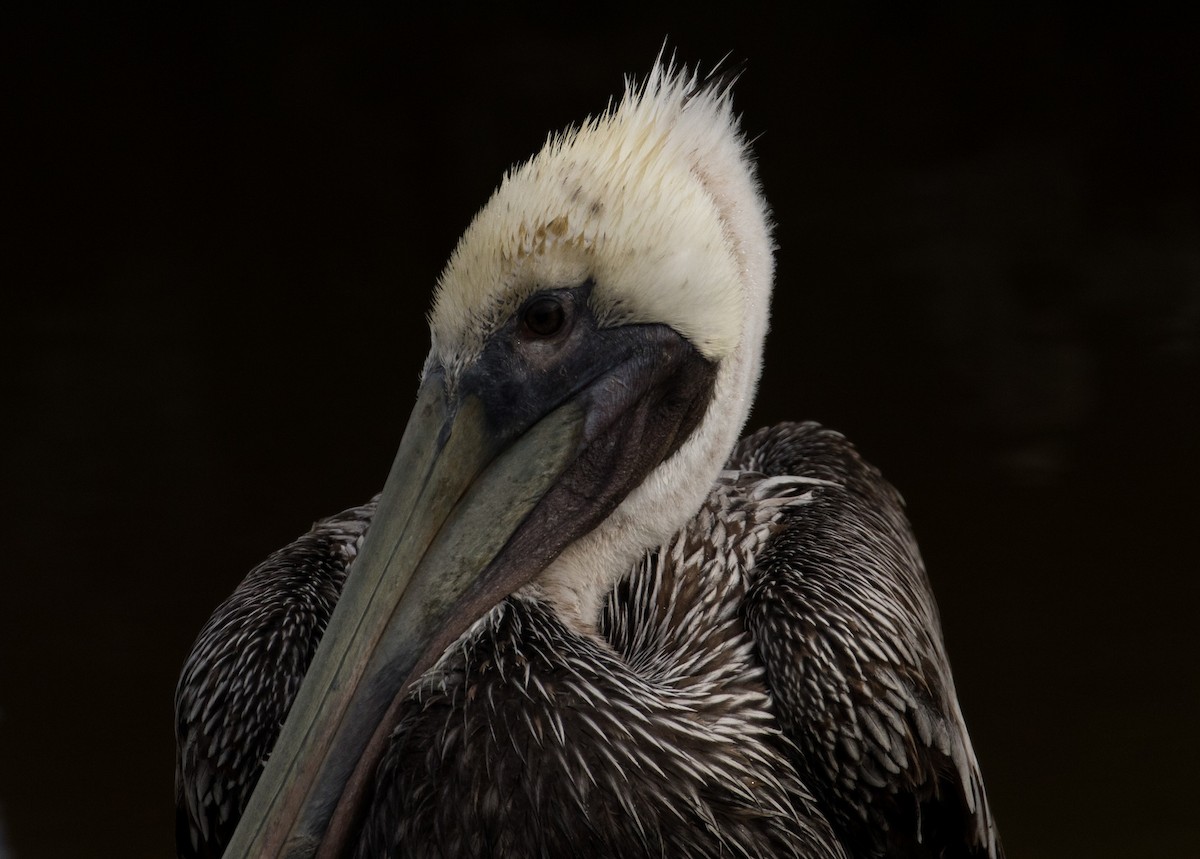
<point x="544" y="317"/>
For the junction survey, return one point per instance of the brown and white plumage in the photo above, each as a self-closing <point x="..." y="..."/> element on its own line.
<point x="848" y="631"/>
<point x="736" y="653"/>
<point x="243" y="673"/>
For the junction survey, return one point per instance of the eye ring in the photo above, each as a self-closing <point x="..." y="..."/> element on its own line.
<point x="543" y="317"/>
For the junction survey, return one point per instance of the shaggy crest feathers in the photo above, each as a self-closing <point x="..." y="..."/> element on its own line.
<point x="655" y="200"/>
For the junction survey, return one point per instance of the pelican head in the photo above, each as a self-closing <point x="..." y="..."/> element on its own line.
<point x="597" y="337"/>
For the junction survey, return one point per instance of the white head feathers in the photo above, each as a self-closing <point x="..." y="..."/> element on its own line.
<point x="655" y="200"/>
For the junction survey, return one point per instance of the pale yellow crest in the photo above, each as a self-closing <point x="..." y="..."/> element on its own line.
<point x="655" y="200"/>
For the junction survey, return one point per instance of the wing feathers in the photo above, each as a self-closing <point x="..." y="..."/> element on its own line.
<point x="846" y="625"/>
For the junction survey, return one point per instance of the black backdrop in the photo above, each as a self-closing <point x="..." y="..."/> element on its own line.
<point x="222" y="229"/>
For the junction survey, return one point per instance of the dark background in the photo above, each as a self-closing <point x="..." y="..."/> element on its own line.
<point x="222" y="229"/>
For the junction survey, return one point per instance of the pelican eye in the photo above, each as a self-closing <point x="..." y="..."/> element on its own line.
<point x="544" y="317"/>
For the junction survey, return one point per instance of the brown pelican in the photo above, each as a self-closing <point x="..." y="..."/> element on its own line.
<point x="582" y="618"/>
